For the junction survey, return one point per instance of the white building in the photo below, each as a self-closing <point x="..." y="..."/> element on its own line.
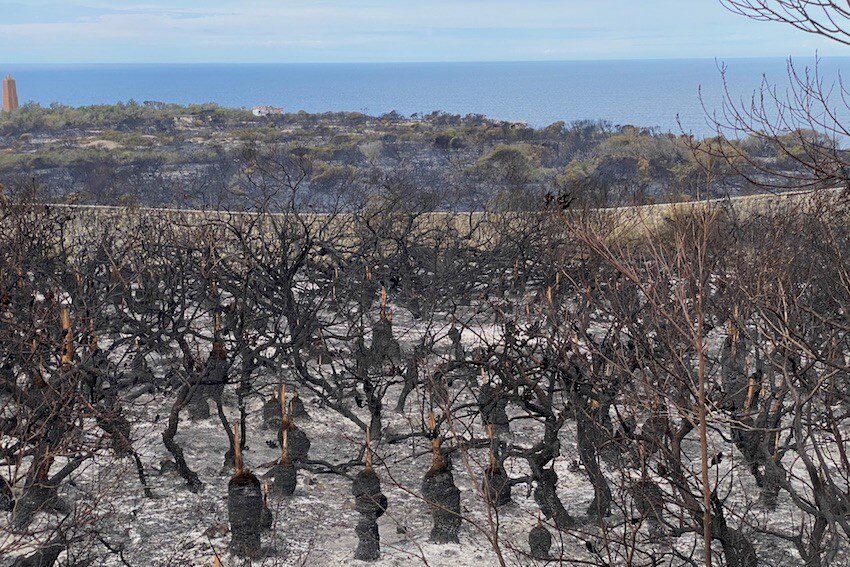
<point x="267" y="111"/>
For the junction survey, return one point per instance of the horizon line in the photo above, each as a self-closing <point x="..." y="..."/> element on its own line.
<point x="815" y="56"/>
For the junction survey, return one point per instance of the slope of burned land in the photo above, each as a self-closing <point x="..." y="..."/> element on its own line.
<point x="611" y="392"/>
<point x="197" y="156"/>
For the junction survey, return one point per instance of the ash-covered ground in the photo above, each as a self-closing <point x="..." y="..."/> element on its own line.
<point x="315" y="526"/>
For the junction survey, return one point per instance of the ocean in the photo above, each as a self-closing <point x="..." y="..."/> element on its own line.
<point x="647" y="93"/>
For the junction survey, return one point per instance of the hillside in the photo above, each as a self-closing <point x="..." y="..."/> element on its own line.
<point x="164" y="155"/>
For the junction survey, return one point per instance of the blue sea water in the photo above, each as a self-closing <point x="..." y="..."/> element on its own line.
<point x="650" y="93"/>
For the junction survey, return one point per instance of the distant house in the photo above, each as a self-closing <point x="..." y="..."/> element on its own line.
<point x="267" y="111"/>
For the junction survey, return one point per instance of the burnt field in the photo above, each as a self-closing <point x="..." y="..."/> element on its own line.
<point x="406" y="388"/>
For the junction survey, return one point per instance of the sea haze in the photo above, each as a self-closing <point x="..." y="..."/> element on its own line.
<point x="649" y="93"/>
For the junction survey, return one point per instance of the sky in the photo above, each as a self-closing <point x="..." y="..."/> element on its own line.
<point x="295" y="31"/>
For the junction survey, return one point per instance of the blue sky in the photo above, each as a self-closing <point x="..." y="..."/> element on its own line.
<point x="265" y="31"/>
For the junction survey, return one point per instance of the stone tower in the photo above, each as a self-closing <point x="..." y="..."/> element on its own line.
<point x="10" y="95"/>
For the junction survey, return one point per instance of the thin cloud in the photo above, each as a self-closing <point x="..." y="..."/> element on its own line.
<point x="386" y="30"/>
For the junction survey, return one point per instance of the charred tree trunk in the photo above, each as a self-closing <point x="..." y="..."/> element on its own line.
<point x="284" y="474"/>
<point x="443" y="497"/>
<point x="244" y="512"/>
<point x="458" y="355"/>
<point x="385" y="348"/>
<point x="649" y="503"/>
<point x="266" y="519"/>
<point x="496" y="484"/>
<point x="230" y="454"/>
<point x="190" y="476"/>
<point x="299" y="443"/>
<point x="737" y="549"/>
<point x="296" y="407"/>
<point x="244" y="507"/>
<point x="211" y="383"/>
<point x="411" y="379"/>
<point x="591" y="437"/>
<point x="376" y="406"/>
<point x="285" y="478"/>
<point x="42" y="494"/>
<point x="540" y="542"/>
<point x="113" y="422"/>
<point x="546" y="496"/>
<point x="272" y="414"/>
<point x="546" y="493"/>
<point x="370" y="503"/>
<point x="493" y="406"/>
<point x="7" y="498"/>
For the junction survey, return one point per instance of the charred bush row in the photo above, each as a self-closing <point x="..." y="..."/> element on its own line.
<point x="693" y="382"/>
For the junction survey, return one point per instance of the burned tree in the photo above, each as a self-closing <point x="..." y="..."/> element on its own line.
<point x="493" y="403"/>
<point x="540" y="542"/>
<point x="496" y="483"/>
<point x="272" y="413"/>
<point x="440" y="493"/>
<point x="244" y="506"/>
<point x="296" y="407"/>
<point x="283" y="473"/>
<point x="298" y="442"/>
<point x="266" y="519"/>
<point x="371" y="504"/>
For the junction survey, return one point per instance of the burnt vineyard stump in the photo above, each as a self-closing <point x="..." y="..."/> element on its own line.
<point x="271" y="414"/>
<point x="497" y="486"/>
<point x="244" y="512"/>
<point x="493" y="406"/>
<point x="299" y="443"/>
<point x="371" y="504"/>
<point x="540" y="542"/>
<point x="442" y="495"/>
<point x="245" y="506"/>
<point x="296" y="407"/>
<point x="283" y="474"/>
